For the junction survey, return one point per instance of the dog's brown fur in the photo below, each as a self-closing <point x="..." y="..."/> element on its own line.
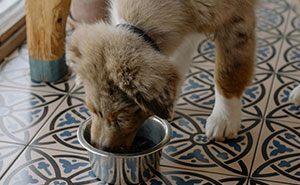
<point x="126" y="80"/>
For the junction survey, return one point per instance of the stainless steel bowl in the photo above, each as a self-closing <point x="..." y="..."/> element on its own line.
<point x="128" y="168"/>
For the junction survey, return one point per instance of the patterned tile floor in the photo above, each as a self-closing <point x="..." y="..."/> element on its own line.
<point x="38" y="121"/>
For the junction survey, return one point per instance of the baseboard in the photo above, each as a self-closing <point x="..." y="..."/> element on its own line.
<point x="12" y="42"/>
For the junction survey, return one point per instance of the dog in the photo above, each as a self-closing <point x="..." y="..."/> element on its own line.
<point x="133" y="65"/>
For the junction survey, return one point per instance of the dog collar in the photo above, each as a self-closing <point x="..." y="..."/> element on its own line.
<point x="141" y="33"/>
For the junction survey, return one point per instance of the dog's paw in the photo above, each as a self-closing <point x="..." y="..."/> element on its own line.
<point x="295" y="96"/>
<point x="225" y="120"/>
<point x="219" y="127"/>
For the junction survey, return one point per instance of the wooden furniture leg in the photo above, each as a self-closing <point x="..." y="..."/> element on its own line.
<point x="46" y="23"/>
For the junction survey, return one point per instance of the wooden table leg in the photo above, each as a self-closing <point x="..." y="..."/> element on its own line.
<point x="46" y="24"/>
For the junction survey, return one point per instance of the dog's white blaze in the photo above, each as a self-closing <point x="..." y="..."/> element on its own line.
<point x="295" y="96"/>
<point x="225" y="118"/>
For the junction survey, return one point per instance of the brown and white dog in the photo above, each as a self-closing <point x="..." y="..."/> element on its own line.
<point x="129" y="74"/>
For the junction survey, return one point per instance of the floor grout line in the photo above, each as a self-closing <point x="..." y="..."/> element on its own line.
<point x="269" y="96"/>
<point x="33" y="137"/>
<point x="34" y="89"/>
<point x="204" y="171"/>
<point x="57" y="107"/>
<point x="13" y="162"/>
<point x="266" y="180"/>
<point x="61" y="150"/>
<point x="12" y="143"/>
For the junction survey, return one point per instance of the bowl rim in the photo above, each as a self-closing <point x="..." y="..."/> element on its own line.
<point x="157" y="147"/>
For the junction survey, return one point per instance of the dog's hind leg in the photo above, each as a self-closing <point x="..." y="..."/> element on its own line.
<point x="234" y="70"/>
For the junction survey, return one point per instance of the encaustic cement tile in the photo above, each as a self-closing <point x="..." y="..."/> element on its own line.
<point x="290" y="59"/>
<point x="197" y="92"/>
<point x="278" y="154"/>
<point x="271" y="21"/>
<point x="8" y="153"/>
<point x="254" y="181"/>
<point x="272" y="15"/>
<point x="15" y="73"/>
<point x="23" y="112"/>
<point x="60" y="132"/>
<point x="279" y="107"/>
<point x="190" y="148"/>
<point x="172" y="176"/>
<point x="44" y="166"/>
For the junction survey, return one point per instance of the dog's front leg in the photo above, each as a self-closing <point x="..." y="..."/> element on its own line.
<point x="233" y="72"/>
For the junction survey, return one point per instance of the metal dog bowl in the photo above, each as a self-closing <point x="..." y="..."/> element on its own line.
<point x="128" y="168"/>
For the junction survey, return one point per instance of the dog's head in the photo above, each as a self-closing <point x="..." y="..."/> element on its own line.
<point x="125" y="81"/>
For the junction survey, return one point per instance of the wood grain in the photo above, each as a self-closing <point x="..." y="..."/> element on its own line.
<point x="12" y="30"/>
<point x="12" y="42"/>
<point x="46" y="23"/>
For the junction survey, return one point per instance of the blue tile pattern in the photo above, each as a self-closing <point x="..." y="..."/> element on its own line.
<point x="38" y="121"/>
<point x="23" y="112"/>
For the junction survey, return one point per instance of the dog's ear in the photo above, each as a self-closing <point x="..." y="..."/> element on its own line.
<point x="74" y="54"/>
<point x="152" y="83"/>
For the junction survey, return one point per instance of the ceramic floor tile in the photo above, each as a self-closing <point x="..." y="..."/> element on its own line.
<point x="198" y="92"/>
<point x="79" y="92"/>
<point x="42" y="166"/>
<point x="290" y="59"/>
<point x="23" y="112"/>
<point x="60" y="132"/>
<point x="255" y="98"/>
<point x="172" y="176"/>
<point x="190" y="149"/>
<point x="272" y="14"/>
<point x="278" y="153"/>
<point x="279" y="107"/>
<point x="15" y="73"/>
<point x="205" y="53"/>
<point x="264" y="182"/>
<point x="8" y="153"/>
<point x="271" y="19"/>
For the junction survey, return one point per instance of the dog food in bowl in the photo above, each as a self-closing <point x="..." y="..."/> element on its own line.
<point x="140" y="144"/>
<point x="135" y="166"/>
